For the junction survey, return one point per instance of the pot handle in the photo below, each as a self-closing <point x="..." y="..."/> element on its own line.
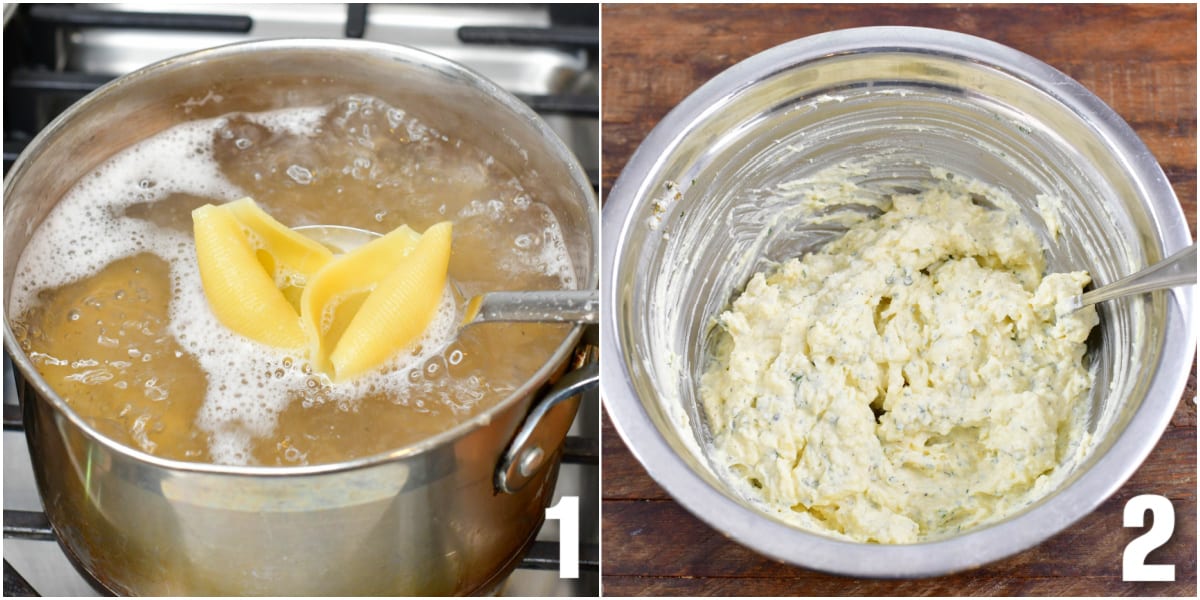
<point x="526" y="454"/>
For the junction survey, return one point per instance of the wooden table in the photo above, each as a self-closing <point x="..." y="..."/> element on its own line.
<point x="1140" y="59"/>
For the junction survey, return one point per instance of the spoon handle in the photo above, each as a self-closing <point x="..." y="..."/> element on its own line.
<point x="558" y="306"/>
<point x="1175" y="270"/>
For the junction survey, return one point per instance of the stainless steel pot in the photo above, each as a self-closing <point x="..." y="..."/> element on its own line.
<point x="451" y="514"/>
<point x="690" y="208"/>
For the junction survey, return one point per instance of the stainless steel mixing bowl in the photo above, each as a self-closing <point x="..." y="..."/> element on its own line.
<point x="693" y="203"/>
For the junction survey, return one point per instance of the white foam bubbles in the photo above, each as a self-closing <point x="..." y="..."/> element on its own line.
<point x="304" y="121"/>
<point x="541" y="249"/>
<point x="86" y="230"/>
<point x="552" y="255"/>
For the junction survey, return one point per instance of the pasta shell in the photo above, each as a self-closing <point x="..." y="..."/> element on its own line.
<point x="335" y="293"/>
<point x="399" y="309"/>
<point x="289" y="257"/>
<point x="241" y="293"/>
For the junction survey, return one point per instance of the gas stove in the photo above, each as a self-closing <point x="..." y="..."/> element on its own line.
<point x="56" y="54"/>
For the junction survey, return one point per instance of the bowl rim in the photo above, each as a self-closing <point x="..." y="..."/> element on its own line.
<point x="350" y="48"/>
<point x="976" y="547"/>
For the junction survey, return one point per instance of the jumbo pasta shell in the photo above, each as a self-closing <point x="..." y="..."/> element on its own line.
<point x="399" y="309"/>
<point x="336" y="292"/>
<point x="290" y="257"/>
<point x="240" y="291"/>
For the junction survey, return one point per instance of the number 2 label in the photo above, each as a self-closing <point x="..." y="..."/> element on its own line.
<point x="566" y="512"/>
<point x="1134" y="567"/>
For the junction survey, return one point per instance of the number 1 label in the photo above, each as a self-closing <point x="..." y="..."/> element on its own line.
<point x="566" y="512"/>
<point x="1134" y="567"/>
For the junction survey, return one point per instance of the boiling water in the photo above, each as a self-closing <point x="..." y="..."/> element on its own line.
<point x="112" y="312"/>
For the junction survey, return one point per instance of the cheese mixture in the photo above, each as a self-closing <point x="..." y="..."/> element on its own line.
<point x="915" y="378"/>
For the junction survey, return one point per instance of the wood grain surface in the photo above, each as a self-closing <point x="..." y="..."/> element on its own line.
<point x="1140" y="59"/>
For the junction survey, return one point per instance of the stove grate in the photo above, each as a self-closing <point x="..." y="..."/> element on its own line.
<point x="68" y="15"/>
<point x="15" y="585"/>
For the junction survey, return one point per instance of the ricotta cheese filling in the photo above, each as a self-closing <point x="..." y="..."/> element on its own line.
<point x="917" y="377"/>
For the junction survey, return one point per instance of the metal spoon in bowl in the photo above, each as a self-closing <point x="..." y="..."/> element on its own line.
<point x="549" y="306"/>
<point x="1175" y="270"/>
